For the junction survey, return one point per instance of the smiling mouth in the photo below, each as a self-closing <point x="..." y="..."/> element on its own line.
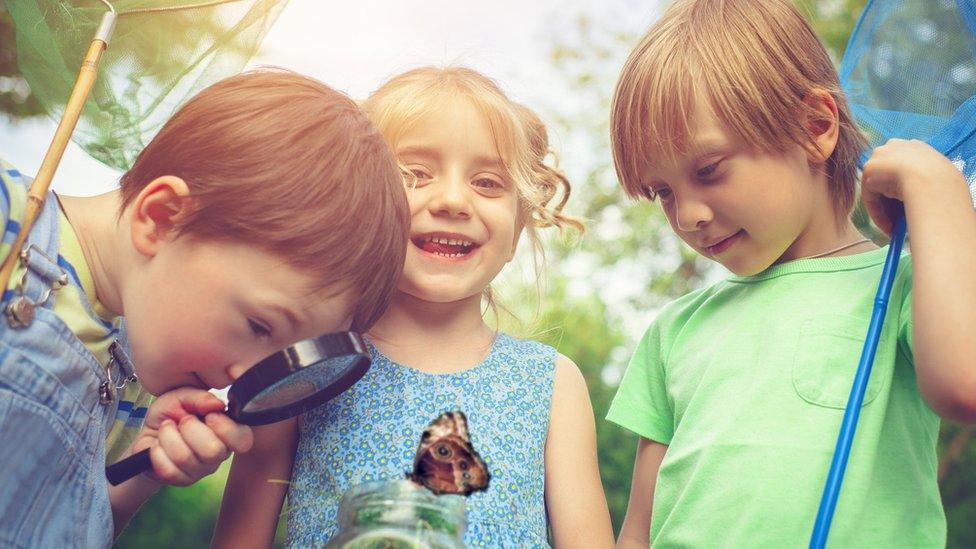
<point x="723" y="244"/>
<point x="452" y="248"/>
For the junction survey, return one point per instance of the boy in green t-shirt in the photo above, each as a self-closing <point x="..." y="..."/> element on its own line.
<point x="730" y="113"/>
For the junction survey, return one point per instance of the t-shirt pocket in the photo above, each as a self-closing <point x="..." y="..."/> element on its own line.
<point x="827" y="353"/>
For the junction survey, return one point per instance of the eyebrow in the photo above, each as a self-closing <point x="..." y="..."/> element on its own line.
<point x="419" y="150"/>
<point x="702" y="150"/>
<point x="289" y="314"/>
<point x="490" y="162"/>
<point x="434" y="154"/>
<point x="698" y="152"/>
<point x="708" y="146"/>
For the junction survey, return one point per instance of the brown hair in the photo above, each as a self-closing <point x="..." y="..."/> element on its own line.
<point x="285" y="163"/>
<point x="755" y="61"/>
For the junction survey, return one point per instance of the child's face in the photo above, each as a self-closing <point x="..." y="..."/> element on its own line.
<point x="741" y="207"/>
<point x="201" y="313"/>
<point x="463" y="208"/>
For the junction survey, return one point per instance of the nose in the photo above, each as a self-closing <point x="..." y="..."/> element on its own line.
<point x="235" y="371"/>
<point x="451" y="198"/>
<point x="691" y="213"/>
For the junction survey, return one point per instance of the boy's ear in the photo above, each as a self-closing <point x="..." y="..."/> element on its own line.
<point x="822" y="124"/>
<point x="156" y="213"/>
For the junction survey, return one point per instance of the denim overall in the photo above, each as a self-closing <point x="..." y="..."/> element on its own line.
<point x="53" y="419"/>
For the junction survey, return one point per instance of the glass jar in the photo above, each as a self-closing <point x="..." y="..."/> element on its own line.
<point x="398" y="515"/>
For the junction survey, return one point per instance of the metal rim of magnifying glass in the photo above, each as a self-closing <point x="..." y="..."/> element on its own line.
<point x="281" y="364"/>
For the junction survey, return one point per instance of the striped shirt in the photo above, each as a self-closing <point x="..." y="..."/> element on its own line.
<point x="96" y="327"/>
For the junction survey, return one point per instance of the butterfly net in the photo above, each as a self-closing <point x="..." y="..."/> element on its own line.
<point x="161" y="53"/>
<point x="910" y="72"/>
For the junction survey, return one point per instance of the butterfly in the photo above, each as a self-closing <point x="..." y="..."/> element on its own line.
<point x="446" y="463"/>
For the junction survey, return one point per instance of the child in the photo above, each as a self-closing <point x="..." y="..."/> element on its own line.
<point x="248" y="223"/>
<point x="730" y="113"/>
<point x="476" y="180"/>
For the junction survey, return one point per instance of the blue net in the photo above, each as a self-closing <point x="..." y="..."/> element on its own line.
<point x="910" y="72"/>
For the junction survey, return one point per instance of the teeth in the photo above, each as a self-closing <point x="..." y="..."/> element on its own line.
<point x="449" y="241"/>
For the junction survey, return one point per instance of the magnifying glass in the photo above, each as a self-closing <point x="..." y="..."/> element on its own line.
<point x="283" y="385"/>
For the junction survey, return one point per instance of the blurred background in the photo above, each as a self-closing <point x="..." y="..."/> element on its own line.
<point x="561" y="58"/>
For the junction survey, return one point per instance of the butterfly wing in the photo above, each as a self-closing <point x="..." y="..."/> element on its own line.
<point x="446" y="462"/>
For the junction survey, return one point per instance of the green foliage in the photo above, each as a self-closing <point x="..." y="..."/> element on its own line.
<point x="625" y="239"/>
<point x="582" y="328"/>
<point x="958" y="482"/>
<point x="178" y="517"/>
<point x="16" y="100"/>
<point x="833" y="20"/>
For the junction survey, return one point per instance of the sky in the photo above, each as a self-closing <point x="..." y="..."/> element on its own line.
<point x="355" y="46"/>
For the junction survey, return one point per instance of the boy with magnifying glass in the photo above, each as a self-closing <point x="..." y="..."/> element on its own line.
<point x="268" y="210"/>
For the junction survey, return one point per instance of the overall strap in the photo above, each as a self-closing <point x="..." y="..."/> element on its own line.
<point x="43" y="274"/>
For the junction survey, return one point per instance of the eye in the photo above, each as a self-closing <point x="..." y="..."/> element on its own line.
<point x="415" y="176"/>
<point x="259" y="329"/>
<point x="464" y="466"/>
<point x="664" y="193"/>
<point x="488" y="184"/>
<point x="442" y="450"/>
<point x="647" y="192"/>
<point x="707" y="171"/>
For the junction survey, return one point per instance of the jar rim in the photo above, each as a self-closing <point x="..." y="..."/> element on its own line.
<point x="402" y="491"/>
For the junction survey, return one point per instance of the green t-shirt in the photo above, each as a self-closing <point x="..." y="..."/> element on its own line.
<point x="746" y="382"/>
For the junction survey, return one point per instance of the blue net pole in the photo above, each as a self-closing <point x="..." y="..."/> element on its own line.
<point x="909" y="72"/>
<point x="845" y="439"/>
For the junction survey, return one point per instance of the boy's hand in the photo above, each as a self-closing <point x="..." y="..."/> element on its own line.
<point x="902" y="171"/>
<point x="185" y="448"/>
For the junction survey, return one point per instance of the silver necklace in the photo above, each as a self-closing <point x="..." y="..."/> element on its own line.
<point x="835" y="250"/>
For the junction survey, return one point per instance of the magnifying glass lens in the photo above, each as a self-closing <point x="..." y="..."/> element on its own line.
<point x="283" y="385"/>
<point x="300" y="385"/>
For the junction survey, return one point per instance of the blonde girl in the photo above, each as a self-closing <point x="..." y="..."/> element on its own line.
<point x="476" y="180"/>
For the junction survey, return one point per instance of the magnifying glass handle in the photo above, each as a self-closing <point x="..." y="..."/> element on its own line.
<point x="121" y="471"/>
<point x="274" y="387"/>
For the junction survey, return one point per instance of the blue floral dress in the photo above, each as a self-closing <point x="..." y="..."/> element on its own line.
<point x="371" y="433"/>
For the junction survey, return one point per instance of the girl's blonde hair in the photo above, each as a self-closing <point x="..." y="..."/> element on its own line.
<point x="755" y="61"/>
<point x="520" y="138"/>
